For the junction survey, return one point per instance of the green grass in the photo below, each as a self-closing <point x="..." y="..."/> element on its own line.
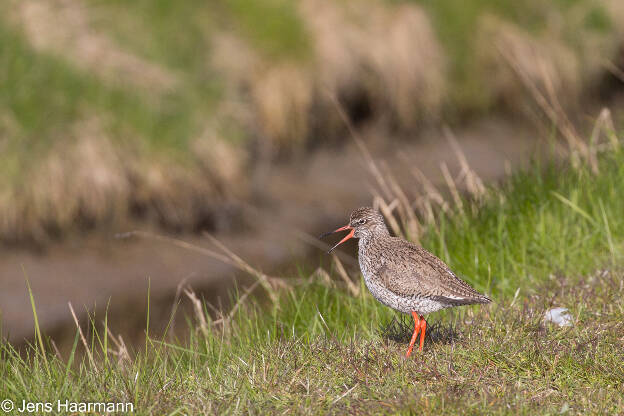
<point x="174" y="34"/>
<point x="273" y="26"/>
<point x="500" y="360"/>
<point x="320" y="350"/>
<point x="555" y="219"/>
<point x="179" y="35"/>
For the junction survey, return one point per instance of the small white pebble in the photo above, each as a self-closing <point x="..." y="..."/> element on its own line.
<point x="558" y="316"/>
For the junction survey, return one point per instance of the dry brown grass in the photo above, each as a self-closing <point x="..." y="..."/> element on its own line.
<point x="543" y="60"/>
<point x="616" y="11"/>
<point x="271" y="99"/>
<point x="385" y="54"/>
<point x="82" y="178"/>
<point x="565" y="59"/>
<point x="386" y="57"/>
<point x="282" y="96"/>
<point x="224" y="162"/>
<point x="88" y="179"/>
<point x="237" y="63"/>
<point x="388" y="53"/>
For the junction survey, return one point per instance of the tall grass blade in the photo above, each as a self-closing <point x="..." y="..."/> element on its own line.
<point x="147" y="323"/>
<point x="607" y="230"/>
<point x="82" y="338"/>
<point x="575" y="207"/>
<point x="37" y="327"/>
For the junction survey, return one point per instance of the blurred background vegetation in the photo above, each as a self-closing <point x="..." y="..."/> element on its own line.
<point x="160" y="110"/>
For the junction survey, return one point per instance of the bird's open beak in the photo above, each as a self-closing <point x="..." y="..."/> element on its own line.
<point x="348" y="236"/>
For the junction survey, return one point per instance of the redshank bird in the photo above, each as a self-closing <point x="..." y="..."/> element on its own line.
<point x="402" y="275"/>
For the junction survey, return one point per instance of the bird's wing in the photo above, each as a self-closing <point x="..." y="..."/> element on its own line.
<point x="415" y="271"/>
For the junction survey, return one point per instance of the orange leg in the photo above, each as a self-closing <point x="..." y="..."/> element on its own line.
<point x="423" y="329"/>
<point x="417" y="326"/>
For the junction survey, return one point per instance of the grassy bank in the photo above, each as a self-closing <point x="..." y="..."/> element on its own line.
<point x="550" y="236"/>
<point x="163" y="108"/>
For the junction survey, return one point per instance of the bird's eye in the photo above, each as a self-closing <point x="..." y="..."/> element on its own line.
<point x="362" y="221"/>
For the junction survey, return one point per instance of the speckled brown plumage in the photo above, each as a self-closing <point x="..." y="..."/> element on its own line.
<point x="402" y="275"/>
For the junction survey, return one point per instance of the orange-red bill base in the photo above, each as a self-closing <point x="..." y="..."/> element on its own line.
<point x="348" y="236"/>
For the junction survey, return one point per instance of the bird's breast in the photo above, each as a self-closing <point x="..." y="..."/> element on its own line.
<point x="369" y="262"/>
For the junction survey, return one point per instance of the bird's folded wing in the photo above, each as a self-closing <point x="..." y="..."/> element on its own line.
<point x="423" y="274"/>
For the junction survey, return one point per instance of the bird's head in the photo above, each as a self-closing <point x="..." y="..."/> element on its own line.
<point x="364" y="222"/>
